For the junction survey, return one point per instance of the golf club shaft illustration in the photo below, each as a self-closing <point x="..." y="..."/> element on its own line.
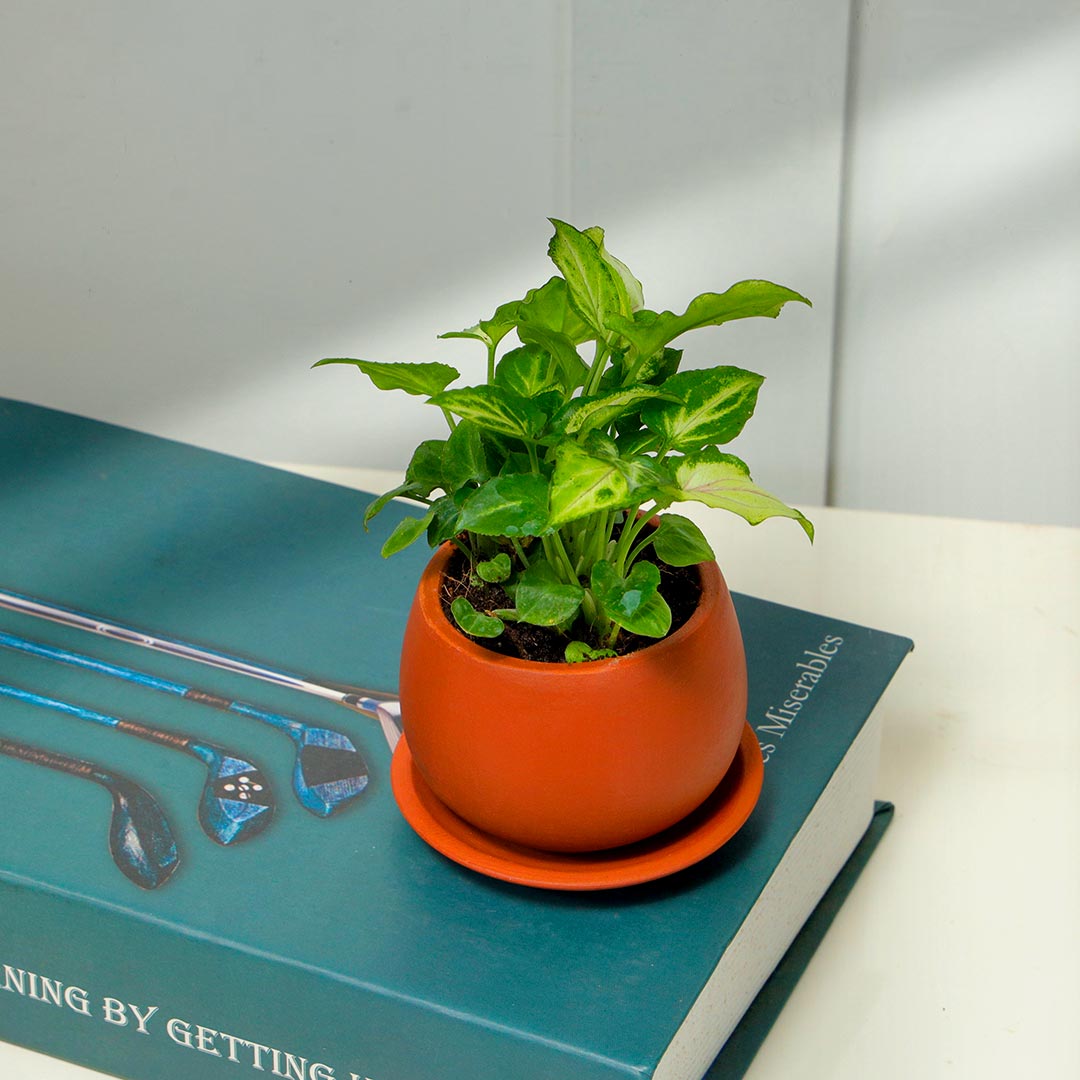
<point x="329" y="770"/>
<point x="382" y="706"/>
<point x="140" y="839"/>
<point x="236" y="803"/>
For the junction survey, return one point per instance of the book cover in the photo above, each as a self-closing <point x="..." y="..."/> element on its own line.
<point x="337" y="946"/>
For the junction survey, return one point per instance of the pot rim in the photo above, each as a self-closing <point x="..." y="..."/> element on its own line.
<point x="713" y="589"/>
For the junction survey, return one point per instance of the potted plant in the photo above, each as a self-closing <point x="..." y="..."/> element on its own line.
<point x="572" y="677"/>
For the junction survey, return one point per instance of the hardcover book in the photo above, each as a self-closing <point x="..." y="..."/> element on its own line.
<point x="204" y="874"/>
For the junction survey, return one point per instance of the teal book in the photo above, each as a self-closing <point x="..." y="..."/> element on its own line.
<point x="316" y="945"/>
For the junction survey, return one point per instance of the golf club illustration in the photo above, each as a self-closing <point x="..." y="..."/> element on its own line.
<point x="378" y="704"/>
<point x="140" y="840"/>
<point x="329" y="770"/>
<point x="236" y="803"/>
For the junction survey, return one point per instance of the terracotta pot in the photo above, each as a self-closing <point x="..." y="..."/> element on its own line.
<point x="573" y="757"/>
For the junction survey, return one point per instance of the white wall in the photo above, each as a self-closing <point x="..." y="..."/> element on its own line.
<point x="958" y="381"/>
<point x="198" y="200"/>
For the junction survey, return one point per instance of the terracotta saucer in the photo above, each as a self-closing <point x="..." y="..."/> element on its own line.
<point x="700" y="834"/>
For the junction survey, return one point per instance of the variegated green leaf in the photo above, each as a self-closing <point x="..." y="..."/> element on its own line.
<point x="649" y="331"/>
<point x="527" y="371"/>
<point x="595" y="290"/>
<point x="714" y="405"/>
<point x="583" y="483"/>
<point x="412" y="378"/>
<point x="599" y="410"/>
<point x="511" y="505"/>
<point x="493" y="408"/>
<point x="722" y="480"/>
<point x="634" y="295"/>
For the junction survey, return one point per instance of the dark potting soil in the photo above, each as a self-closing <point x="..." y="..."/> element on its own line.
<point x="680" y="586"/>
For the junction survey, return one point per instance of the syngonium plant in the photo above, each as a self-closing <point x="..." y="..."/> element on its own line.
<point x="553" y="468"/>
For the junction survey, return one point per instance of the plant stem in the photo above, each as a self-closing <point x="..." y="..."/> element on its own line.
<point x="449" y="419"/>
<point x="465" y="550"/>
<point x="625" y="540"/>
<point x="638" y="549"/>
<point x="630" y="533"/>
<point x="592" y="380"/>
<point x="534" y="460"/>
<point x="490" y="364"/>
<point x="520" y="551"/>
<point x="564" y="558"/>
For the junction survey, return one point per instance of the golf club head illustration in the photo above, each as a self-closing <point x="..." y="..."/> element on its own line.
<point x="329" y="771"/>
<point x="236" y="802"/>
<point x="140" y="840"/>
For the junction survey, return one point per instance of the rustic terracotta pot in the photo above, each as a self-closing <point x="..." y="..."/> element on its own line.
<point x="573" y="757"/>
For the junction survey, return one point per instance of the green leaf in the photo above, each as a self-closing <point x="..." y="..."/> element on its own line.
<point x="527" y="371"/>
<point x="493" y="408"/>
<point x="546" y="318"/>
<point x="653" y="370"/>
<point x="599" y="410"/>
<point x="648" y="331"/>
<point x="548" y="310"/>
<point x="722" y="480"/>
<point x="577" y="652"/>
<point x="633" y="296"/>
<point x="633" y="602"/>
<point x="635" y="441"/>
<point x="465" y="457"/>
<point x="583" y="483"/>
<point x="679" y="542"/>
<point x="595" y="290"/>
<point x="490" y="331"/>
<point x="496" y="569"/>
<point x="591" y="476"/>
<point x="406" y="532"/>
<point x="511" y="505"/>
<point x="473" y="622"/>
<point x="378" y="504"/>
<point x="445" y="514"/>
<point x="543" y="598"/>
<point x="412" y="378"/>
<point x="646" y="477"/>
<point x="659" y="367"/>
<point x="714" y="407"/>
<point x="425" y="471"/>
<point x="516" y="462"/>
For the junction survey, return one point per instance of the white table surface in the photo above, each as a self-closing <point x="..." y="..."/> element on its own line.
<point x="958" y="953"/>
